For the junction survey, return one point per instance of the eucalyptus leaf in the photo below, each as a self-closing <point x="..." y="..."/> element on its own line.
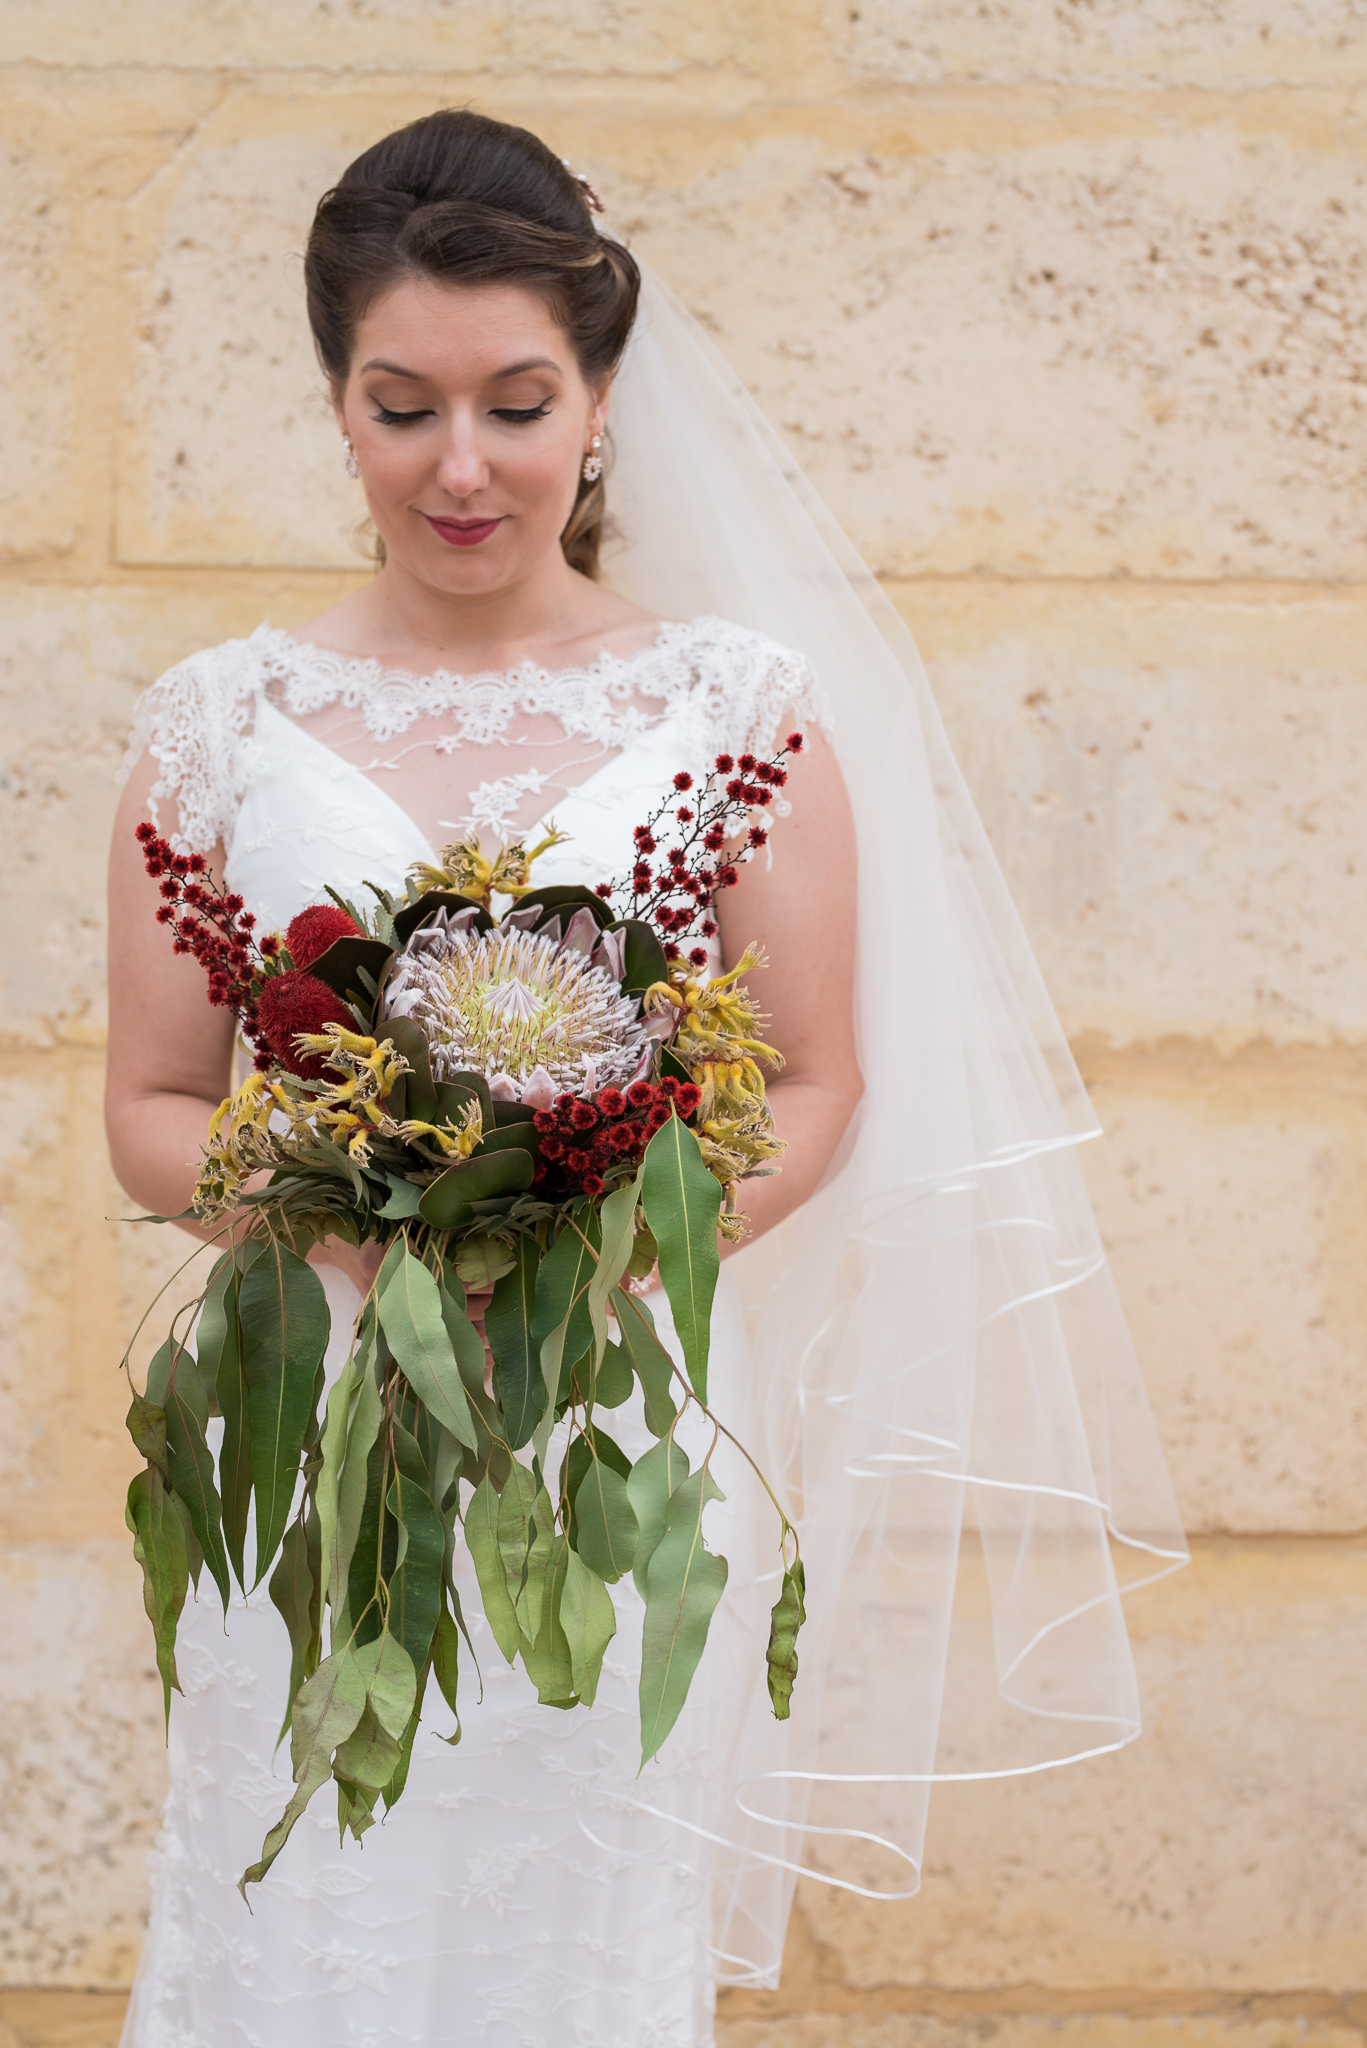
<point x="191" y="1464"/>
<point x="159" y="1547"/>
<point x="605" y="1526"/>
<point x="415" y="1590"/>
<point x="328" y="1709"/>
<point x="390" y="1680"/>
<point x="789" y="1613"/>
<point x="481" y="1540"/>
<point x="482" y="1261"/>
<point x="562" y="1285"/>
<point x="616" y="1223"/>
<point x="284" y="1323"/>
<point x="362" y="1429"/>
<point x="370" y="1754"/>
<point x="517" y="1354"/>
<point x="614" y="1380"/>
<point x="653" y="1365"/>
<point x="653" y="1478"/>
<point x="682" y="1202"/>
<point x="297" y="1595"/>
<point x="684" y="1582"/>
<point x="548" y="1660"/>
<point x="411" y="1317"/>
<point x="589" y="1622"/>
<point x="446" y="1663"/>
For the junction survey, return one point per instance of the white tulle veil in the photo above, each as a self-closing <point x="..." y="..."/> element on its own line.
<point x="943" y="1382"/>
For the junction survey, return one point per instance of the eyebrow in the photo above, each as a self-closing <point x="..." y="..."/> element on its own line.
<point x="419" y="376"/>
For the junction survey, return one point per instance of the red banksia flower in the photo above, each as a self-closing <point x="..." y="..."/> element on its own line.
<point x="583" y="1116"/>
<point x="309" y="935"/>
<point x="611" y="1101"/>
<point x="544" y="1120"/>
<point x="683" y="780"/>
<point x="640" y="1094"/>
<point x="725" y="764"/>
<point x="794" y="743"/>
<point x="295" y="1002"/>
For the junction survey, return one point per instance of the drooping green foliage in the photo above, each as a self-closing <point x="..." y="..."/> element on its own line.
<point x="363" y="1492"/>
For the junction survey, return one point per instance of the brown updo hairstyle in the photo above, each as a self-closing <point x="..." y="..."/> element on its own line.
<point x="458" y="197"/>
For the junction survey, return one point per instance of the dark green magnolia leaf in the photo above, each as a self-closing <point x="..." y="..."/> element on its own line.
<point x="411" y="1316"/>
<point x="327" y="1711"/>
<point x="789" y="1613"/>
<point x="147" y="1423"/>
<point x="338" y="968"/>
<point x="548" y="1661"/>
<point x="516" y="1353"/>
<point x="682" y="1204"/>
<point x="589" y="1622"/>
<point x="297" y="1595"/>
<point x="159" y="1547"/>
<point x="449" y="1202"/>
<point x="283" y="1319"/>
<point x="683" y="1585"/>
<point x="645" y="957"/>
<point x="653" y="1365"/>
<point x="481" y="1540"/>
<point x="420" y="1096"/>
<point x="425" y="907"/>
<point x="605" y="1527"/>
<point x="650" y="1483"/>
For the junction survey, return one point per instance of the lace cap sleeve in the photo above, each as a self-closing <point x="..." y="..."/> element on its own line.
<point x="194" y="721"/>
<point x="747" y="685"/>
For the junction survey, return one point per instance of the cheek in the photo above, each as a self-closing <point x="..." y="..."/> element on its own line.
<point x="540" y="471"/>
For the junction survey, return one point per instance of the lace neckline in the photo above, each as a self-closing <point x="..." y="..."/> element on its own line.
<point x="365" y="674"/>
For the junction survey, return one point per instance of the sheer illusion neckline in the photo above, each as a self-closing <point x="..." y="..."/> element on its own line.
<point x="307" y="658"/>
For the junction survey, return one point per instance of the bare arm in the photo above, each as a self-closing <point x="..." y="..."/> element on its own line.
<point x="800" y="909"/>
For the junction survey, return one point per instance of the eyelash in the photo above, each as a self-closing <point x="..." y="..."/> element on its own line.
<point x="385" y="418"/>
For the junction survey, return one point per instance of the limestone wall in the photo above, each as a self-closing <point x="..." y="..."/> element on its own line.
<point x="1063" y="304"/>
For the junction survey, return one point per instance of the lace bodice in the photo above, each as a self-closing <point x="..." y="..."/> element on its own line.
<point x="715" y="684"/>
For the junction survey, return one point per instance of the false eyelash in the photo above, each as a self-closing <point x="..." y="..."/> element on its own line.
<point x="385" y="418"/>
<point x="531" y="412"/>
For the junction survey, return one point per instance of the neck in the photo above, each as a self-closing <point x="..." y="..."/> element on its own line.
<point x="420" y="627"/>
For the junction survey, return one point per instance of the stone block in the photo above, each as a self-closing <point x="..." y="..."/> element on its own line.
<point x="40" y="486"/>
<point x="999" y="342"/>
<point x="84" y="1763"/>
<point x="1223" y="1851"/>
<point x="1157" y="42"/>
<point x="1174" y="787"/>
<point x="1001" y="347"/>
<point x="846" y="2029"/>
<point x="1231" y="1197"/>
<point x="627" y="38"/>
<point x="61" y="2019"/>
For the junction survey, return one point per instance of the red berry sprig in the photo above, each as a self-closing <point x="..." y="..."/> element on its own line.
<point x="210" y="922"/>
<point x="582" y="1140"/>
<point x="677" y="893"/>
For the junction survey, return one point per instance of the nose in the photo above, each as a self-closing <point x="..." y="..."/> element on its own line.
<point x="462" y="469"/>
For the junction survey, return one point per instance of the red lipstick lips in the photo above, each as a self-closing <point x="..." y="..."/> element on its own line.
<point x="463" y="533"/>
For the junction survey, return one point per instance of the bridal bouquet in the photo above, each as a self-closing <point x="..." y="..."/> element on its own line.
<point x="554" y="1103"/>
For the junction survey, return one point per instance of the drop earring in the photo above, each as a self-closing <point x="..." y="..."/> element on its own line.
<point x="593" y="461"/>
<point x="349" y="462"/>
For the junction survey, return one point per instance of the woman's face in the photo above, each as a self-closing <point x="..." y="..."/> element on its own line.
<point x="470" y="421"/>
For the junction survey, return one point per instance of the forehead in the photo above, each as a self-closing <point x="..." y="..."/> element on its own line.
<point x="460" y="331"/>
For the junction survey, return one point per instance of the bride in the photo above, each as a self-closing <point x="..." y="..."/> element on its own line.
<point x="920" y="1328"/>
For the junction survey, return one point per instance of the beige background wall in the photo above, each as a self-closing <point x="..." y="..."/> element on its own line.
<point x="1064" y="305"/>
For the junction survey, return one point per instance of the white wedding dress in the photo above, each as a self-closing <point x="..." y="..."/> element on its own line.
<point x="527" y="1890"/>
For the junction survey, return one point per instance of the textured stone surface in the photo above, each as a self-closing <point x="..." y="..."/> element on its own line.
<point x="1223" y="1850"/>
<point x="1128" y="350"/>
<point x="633" y="38"/>
<point x="1232" y="1197"/>
<point x="1205" y="42"/>
<point x="38" y="483"/>
<point x="83" y="1758"/>
<point x="1174" y="787"/>
<point x="60" y="2019"/>
<point x="1084" y="2030"/>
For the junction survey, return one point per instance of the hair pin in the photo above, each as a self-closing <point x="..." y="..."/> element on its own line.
<point x="595" y="203"/>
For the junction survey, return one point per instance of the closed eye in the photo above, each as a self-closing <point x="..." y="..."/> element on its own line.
<point x="385" y="418"/>
<point x="531" y="412"/>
